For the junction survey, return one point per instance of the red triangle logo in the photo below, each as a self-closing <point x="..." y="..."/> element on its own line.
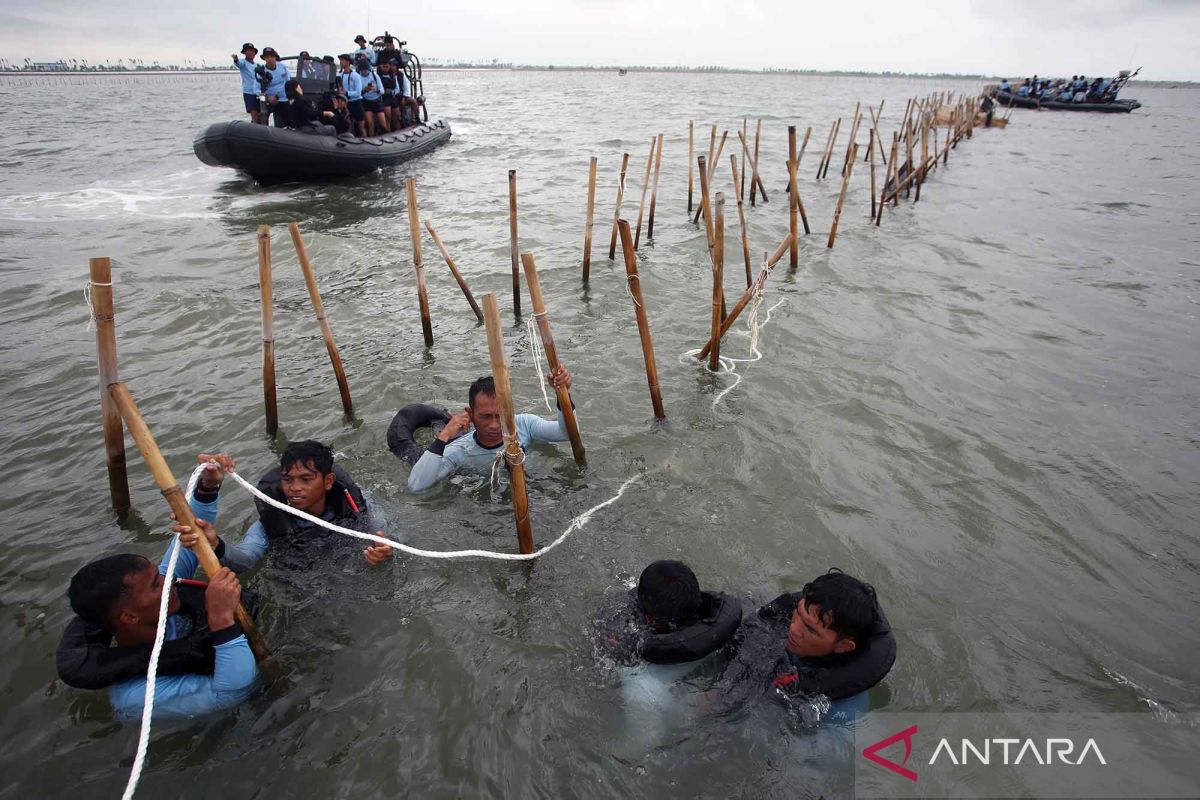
<point x="871" y="753"/>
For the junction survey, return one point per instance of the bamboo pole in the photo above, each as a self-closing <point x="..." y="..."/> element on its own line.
<point x="183" y="512"/>
<point x="875" y="117"/>
<point x="462" y="283"/>
<point x="508" y="425"/>
<point x="414" y="229"/>
<point x="924" y="156"/>
<point x="587" y="231"/>
<point x="837" y="128"/>
<point x="266" y="292"/>
<point x="712" y="144"/>
<point x="712" y="168"/>
<point x="104" y="316"/>
<point x="744" y="300"/>
<point x="793" y="207"/>
<point x="742" y="185"/>
<point x="871" y="158"/>
<point x="705" y="207"/>
<point x="691" y="155"/>
<point x="612" y="244"/>
<point x="512" y="247"/>
<point x="754" y="182"/>
<point x="853" y="134"/>
<point x="637" y="239"/>
<point x="753" y="168"/>
<point x="314" y="294"/>
<point x="543" y="322"/>
<point x="837" y="212"/>
<point x="654" y="188"/>
<point x="639" y="308"/>
<point x="741" y="218"/>
<point x="796" y="181"/>
<point x="718" y="275"/>
<point x="825" y="152"/>
<point x="889" y="175"/>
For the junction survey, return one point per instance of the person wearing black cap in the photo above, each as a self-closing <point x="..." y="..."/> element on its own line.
<point x="275" y="76"/>
<point x="301" y="113"/>
<point x="364" y="50"/>
<point x="246" y="66"/>
<point x="388" y="53"/>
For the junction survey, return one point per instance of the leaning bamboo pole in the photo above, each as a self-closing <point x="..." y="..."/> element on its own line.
<point x="639" y="308"/>
<point x="712" y="168"/>
<point x="101" y="289"/>
<point x="508" y="425"/>
<point x="837" y="213"/>
<point x="793" y="207"/>
<point x="753" y="166"/>
<point x="853" y="134"/>
<point x="742" y="185"/>
<point x="612" y="244"/>
<point x="310" y="280"/>
<point x="825" y="152"/>
<point x="796" y="182"/>
<point x="705" y="206"/>
<point x="587" y="231"/>
<point x="754" y="181"/>
<point x="174" y="496"/>
<point x="654" y="188"/>
<point x="888" y="176"/>
<point x="414" y="230"/>
<point x="837" y="128"/>
<point x="462" y="283"/>
<point x="266" y="292"/>
<point x="543" y="323"/>
<point x="512" y="242"/>
<point x="744" y="300"/>
<point x="718" y="276"/>
<point x="741" y="209"/>
<point x="637" y="238"/>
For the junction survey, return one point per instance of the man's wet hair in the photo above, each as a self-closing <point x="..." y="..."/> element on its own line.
<point x="484" y="385"/>
<point x="97" y="589"/>
<point x="307" y="454"/>
<point x="847" y="605"/>
<point x="669" y="592"/>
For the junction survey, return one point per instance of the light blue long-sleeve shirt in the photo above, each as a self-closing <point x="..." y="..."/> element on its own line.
<point x="279" y="76"/>
<point x="365" y="51"/>
<point x="371" y="78"/>
<point x="249" y="80"/>
<point x="176" y="696"/>
<point x="352" y="85"/>
<point x="442" y="460"/>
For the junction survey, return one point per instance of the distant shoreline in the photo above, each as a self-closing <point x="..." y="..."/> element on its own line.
<point x="553" y="68"/>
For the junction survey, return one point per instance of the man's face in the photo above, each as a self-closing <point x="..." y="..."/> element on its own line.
<point x="485" y="416"/>
<point x="305" y="488"/>
<point x="270" y="61"/>
<point x="250" y="54"/>
<point x="144" y="593"/>
<point x="810" y="637"/>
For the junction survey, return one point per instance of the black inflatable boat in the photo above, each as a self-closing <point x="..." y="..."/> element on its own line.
<point x="280" y="155"/>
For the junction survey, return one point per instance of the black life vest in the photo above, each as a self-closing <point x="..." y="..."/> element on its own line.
<point x="339" y="510"/>
<point x="837" y="676"/>
<point x="86" y="658"/>
<point x="625" y="638"/>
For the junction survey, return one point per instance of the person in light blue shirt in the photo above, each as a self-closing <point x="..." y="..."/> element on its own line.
<point x="372" y="98"/>
<point x="276" y="95"/>
<point x="1005" y="86"/>
<point x="352" y="86"/>
<point x="122" y="595"/>
<point x="452" y="450"/>
<point x="250" y="87"/>
<point x="364" y="50"/>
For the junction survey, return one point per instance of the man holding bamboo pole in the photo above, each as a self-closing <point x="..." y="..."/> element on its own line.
<point x="452" y="450"/>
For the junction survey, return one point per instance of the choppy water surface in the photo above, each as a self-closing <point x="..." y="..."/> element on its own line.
<point x="987" y="407"/>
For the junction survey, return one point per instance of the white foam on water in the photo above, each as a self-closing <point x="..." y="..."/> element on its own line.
<point x="171" y="197"/>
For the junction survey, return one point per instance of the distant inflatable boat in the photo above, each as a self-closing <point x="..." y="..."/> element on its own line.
<point x="1115" y="107"/>
<point x="281" y="155"/>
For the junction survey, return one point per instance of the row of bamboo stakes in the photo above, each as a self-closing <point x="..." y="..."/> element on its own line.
<point x="920" y="123"/>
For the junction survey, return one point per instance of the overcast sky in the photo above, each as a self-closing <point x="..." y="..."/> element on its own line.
<point x="1013" y="38"/>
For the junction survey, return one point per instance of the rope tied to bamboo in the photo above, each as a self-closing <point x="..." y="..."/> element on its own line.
<point x="629" y="279"/>
<point x="87" y="298"/>
<point x="538" y="352"/>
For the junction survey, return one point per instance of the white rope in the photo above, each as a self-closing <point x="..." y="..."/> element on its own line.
<point x="538" y="352"/>
<point x="160" y="635"/>
<point x="87" y="298"/>
<point x="576" y="523"/>
<point x="728" y="365"/>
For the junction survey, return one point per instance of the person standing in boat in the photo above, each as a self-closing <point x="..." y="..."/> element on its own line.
<point x="306" y="479"/>
<point x="391" y="85"/>
<point x="352" y="87"/>
<point x="246" y="66"/>
<point x="364" y="50"/>
<point x="276" y="76"/>
<point x="372" y="98"/>
<point x="451" y="450"/>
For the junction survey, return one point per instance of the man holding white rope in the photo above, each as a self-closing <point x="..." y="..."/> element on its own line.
<point x="308" y="480"/>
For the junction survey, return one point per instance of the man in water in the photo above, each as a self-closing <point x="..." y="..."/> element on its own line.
<point x="250" y="87"/>
<point x="276" y="76"/>
<point x="118" y="598"/>
<point x="308" y="480"/>
<point x="451" y="451"/>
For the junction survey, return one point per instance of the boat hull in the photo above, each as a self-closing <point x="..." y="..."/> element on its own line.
<point x="1115" y="107"/>
<point x="279" y="155"/>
